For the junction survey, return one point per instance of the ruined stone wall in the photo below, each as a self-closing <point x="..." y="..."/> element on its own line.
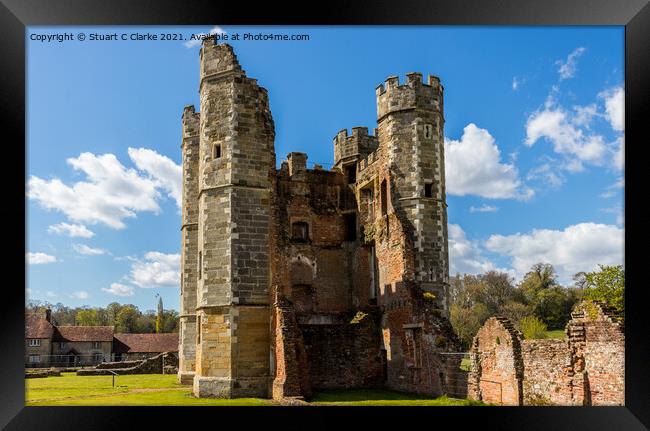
<point x="603" y="352"/>
<point x="587" y="368"/>
<point x="497" y="365"/>
<point x="546" y="381"/>
<point x="342" y="354"/>
<point x="375" y="242"/>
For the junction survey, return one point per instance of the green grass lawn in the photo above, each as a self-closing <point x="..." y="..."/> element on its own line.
<point x="379" y="397"/>
<point x="556" y="333"/>
<point x="162" y="390"/>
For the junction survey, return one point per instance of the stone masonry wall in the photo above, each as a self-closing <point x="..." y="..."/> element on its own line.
<point x="545" y="372"/>
<point x="587" y="368"/>
<point x="189" y="246"/>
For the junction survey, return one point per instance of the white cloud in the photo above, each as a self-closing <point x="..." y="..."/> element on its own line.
<point x="166" y="173"/>
<point x="612" y="190"/>
<point x="568" y="68"/>
<point x="618" y="159"/>
<point x="39" y="258"/>
<point x="557" y="125"/>
<point x="465" y="255"/>
<point x="579" y="247"/>
<point x="472" y="167"/>
<point x="547" y="173"/>
<point x="111" y="192"/>
<point x="614" y="107"/>
<point x="485" y="208"/>
<point x="119" y="290"/>
<point x="89" y="251"/>
<point x="156" y="270"/>
<point x="79" y="294"/>
<point x="515" y="84"/>
<point x="50" y="294"/>
<point x="584" y="115"/>
<point x="71" y="230"/>
<point x="196" y="42"/>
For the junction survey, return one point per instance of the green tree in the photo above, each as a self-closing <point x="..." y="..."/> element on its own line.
<point x="515" y="311"/>
<point x="87" y="317"/>
<point x="532" y="327"/>
<point x="467" y="321"/>
<point x="606" y="285"/>
<point x="159" y="316"/>
<point x="541" y="276"/>
<point x="170" y="319"/>
<point x="496" y="290"/>
<point x="553" y="306"/>
<point x="127" y="318"/>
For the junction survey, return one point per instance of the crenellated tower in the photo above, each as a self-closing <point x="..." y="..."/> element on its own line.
<point x="410" y="132"/>
<point x="189" y="245"/>
<point x="236" y="161"/>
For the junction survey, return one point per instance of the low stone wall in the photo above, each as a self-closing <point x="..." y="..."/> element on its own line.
<point x="42" y="373"/>
<point x="115" y="365"/>
<point x="587" y="368"/>
<point x="148" y="366"/>
<point x="546" y="364"/>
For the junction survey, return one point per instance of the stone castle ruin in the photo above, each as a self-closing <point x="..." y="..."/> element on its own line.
<point x="585" y="369"/>
<point x="296" y="279"/>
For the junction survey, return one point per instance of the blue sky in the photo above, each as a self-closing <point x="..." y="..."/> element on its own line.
<point x="534" y="143"/>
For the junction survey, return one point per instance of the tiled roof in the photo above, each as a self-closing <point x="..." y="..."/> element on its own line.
<point x="37" y="327"/>
<point x="83" y="333"/>
<point x="145" y="343"/>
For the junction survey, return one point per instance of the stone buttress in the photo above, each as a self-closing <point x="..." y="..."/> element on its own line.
<point x="189" y="253"/>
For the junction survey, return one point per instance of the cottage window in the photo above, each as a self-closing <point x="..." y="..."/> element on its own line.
<point x="299" y="231"/>
<point x="98" y="357"/>
<point x="33" y="359"/>
<point x="61" y="345"/>
<point x="96" y="344"/>
<point x="216" y="151"/>
<point x="34" y="342"/>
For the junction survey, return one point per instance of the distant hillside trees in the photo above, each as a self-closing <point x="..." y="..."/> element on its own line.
<point x="126" y="318"/>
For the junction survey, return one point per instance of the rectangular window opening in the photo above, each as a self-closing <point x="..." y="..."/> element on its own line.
<point x="428" y="190"/>
<point x="350" y="226"/>
<point x="351" y="172"/>
<point x="216" y="151"/>
<point x="384" y="198"/>
<point x="200" y="263"/>
<point x="300" y="231"/>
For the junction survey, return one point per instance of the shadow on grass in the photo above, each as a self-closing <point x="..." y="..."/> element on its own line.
<point x="384" y="397"/>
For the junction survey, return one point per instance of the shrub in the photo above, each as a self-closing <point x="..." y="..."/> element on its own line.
<point x="429" y="296"/>
<point x="532" y="327"/>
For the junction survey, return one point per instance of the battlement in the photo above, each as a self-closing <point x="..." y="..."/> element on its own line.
<point x="368" y="160"/>
<point x="191" y="122"/>
<point x="358" y="143"/>
<point x="218" y="59"/>
<point x="392" y="97"/>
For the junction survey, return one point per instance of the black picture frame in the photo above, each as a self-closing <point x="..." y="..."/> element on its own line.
<point x="16" y="15"/>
